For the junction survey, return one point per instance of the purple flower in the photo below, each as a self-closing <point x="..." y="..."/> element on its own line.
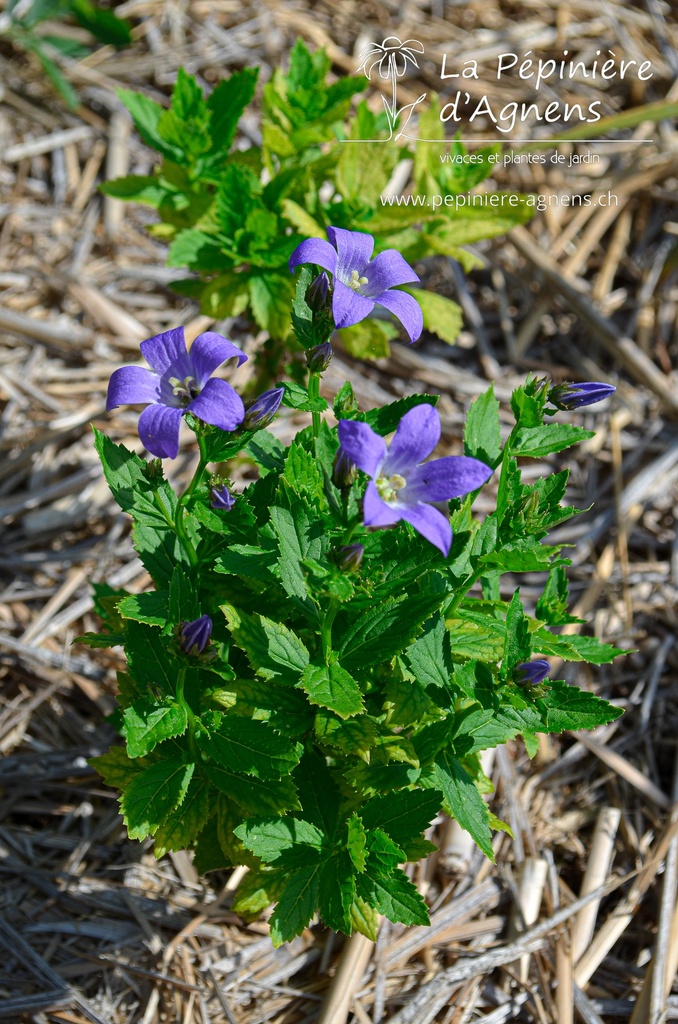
<point x="574" y="396"/>
<point x="194" y="636"/>
<point x="221" y="498"/>
<point x="400" y="487"/>
<point x="178" y="382"/>
<point x="318" y="292"/>
<point x="261" y="410"/>
<point x="344" y="471"/>
<point x="531" y="672"/>
<point x="360" y="281"/>
<point x="349" y="557"/>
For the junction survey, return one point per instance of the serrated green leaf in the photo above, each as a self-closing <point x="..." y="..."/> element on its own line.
<point x="364" y="919"/>
<point x="152" y="794"/>
<point x="179" y="831"/>
<point x="296" y="906"/>
<point x="463" y="800"/>
<point x="517" y="647"/>
<point x="403" y="816"/>
<point x="273" y="649"/>
<point x="149" y="657"/>
<point x="183" y="599"/>
<point x="572" y="647"/>
<point x="331" y="686"/>
<point x="385" y="420"/>
<point x="135" y="485"/>
<point x="254" y="796"/>
<point x="296" y="397"/>
<point x="150" y="607"/>
<point x="395" y="897"/>
<point x="482" y="434"/>
<point x="226" y="104"/>
<point x="535" y="442"/>
<point x="429" y="656"/>
<point x="476" y="637"/>
<point x="353" y="736"/>
<point x="116" y="767"/>
<point x="270" y="296"/>
<point x="568" y="707"/>
<point x="299" y="537"/>
<point x="383" y="855"/>
<point x="381" y="632"/>
<point x="337" y="892"/>
<point x="252" y="747"/>
<point x="146" y="114"/>
<point x="356" y="842"/>
<point x="269" y="838"/>
<point x="149" y="722"/>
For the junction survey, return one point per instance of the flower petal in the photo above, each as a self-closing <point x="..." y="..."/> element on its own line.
<point x="159" y="430"/>
<point x="431" y="524"/>
<point x="387" y="270"/>
<point x="164" y="350"/>
<point x="406" y="308"/>
<point x="132" y="385"/>
<point x="210" y="350"/>
<point x="348" y="307"/>
<point x="376" y="512"/>
<point x="315" y="250"/>
<point x="450" y="477"/>
<point x="354" y="249"/>
<point x="363" y="447"/>
<point x="417" y="435"/>
<point x="219" y="405"/>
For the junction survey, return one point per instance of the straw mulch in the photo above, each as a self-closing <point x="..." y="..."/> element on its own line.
<point x="93" y="928"/>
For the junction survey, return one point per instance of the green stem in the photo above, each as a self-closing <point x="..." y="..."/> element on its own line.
<point x="179" y="522"/>
<point x="462" y="593"/>
<point x="326" y="629"/>
<point x="314" y="393"/>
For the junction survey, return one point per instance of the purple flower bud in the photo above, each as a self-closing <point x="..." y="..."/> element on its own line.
<point x="574" y="396"/>
<point x="349" y="557"/>
<point x="221" y="497"/>
<point x="194" y="636"/>
<point x="344" y="471"/>
<point x="531" y="672"/>
<point x="319" y="358"/>
<point x="318" y="292"/>
<point x="261" y="410"/>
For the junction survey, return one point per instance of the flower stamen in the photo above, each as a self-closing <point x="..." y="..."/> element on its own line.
<point x="186" y="389"/>
<point x="388" y="486"/>
<point x="357" y="282"/>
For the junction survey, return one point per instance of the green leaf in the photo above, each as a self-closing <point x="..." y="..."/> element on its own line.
<point x="103" y="24"/>
<point x="226" y="104"/>
<point x="149" y="658"/>
<point x="385" y="420"/>
<point x="382" y="632"/>
<point x="337" y="892"/>
<point x="482" y="435"/>
<point x="247" y="560"/>
<point x="152" y="794"/>
<point x="140" y="188"/>
<point x="463" y="800"/>
<point x="356" y="842"/>
<point x="179" y="831"/>
<point x="296" y="905"/>
<point x="364" y="919"/>
<point x="299" y="537"/>
<point x="270" y="296"/>
<point x="571" y="647"/>
<point x="296" y="397"/>
<point x="403" y="816"/>
<point x="442" y="316"/>
<point x="137" y="486"/>
<point x="429" y="656"/>
<point x="149" y="722"/>
<point x="254" y="796"/>
<point x="116" y="767"/>
<point x="269" y="838"/>
<point x="353" y="736"/>
<point x="331" y="686"/>
<point x="383" y="855"/>
<point x="252" y="747"/>
<point x="568" y="707"/>
<point x="536" y="442"/>
<point x="478" y="636"/>
<point x="146" y="114"/>
<point x="395" y="897"/>
<point x="369" y="339"/>
<point x="517" y="647"/>
<point x="150" y="608"/>
<point x="270" y="646"/>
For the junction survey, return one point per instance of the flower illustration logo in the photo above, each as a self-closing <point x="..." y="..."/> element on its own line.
<point x="391" y="58"/>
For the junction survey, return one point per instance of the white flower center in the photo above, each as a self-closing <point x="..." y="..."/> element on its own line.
<point x="185" y="389"/>
<point x="388" y="486"/>
<point x="356" y="282"/>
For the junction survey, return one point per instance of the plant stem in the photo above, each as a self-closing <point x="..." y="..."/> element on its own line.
<point x="314" y="393"/>
<point x="326" y="629"/>
<point x="179" y="523"/>
<point x="181" y="699"/>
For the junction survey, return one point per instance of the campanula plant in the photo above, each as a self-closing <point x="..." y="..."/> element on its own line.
<point x="326" y="651"/>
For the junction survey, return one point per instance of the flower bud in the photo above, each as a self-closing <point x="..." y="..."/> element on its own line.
<point x="261" y="410"/>
<point x="194" y="636"/>
<point x="574" y="396"/>
<point x="318" y="292"/>
<point x="318" y="358"/>
<point x="344" y="471"/>
<point x="221" y="498"/>
<point x="349" y="557"/>
<point x="530" y="673"/>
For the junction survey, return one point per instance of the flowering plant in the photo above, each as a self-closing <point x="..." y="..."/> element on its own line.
<point x="325" y="654"/>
